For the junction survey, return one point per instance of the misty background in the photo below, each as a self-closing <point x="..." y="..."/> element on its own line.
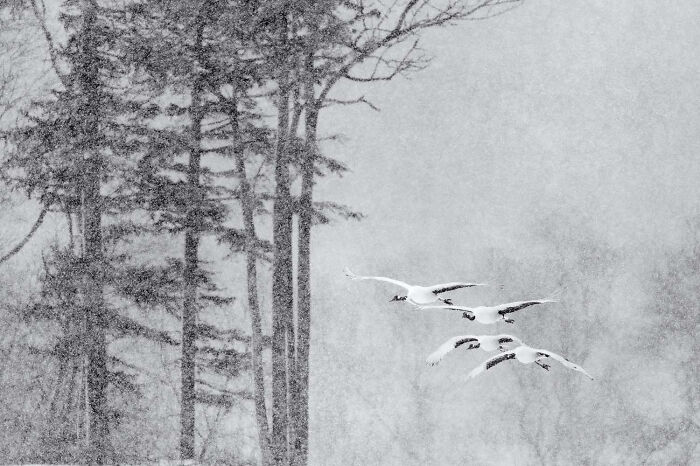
<point x="550" y="149"/>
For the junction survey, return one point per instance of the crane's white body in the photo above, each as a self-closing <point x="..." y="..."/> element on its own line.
<point x="526" y="355"/>
<point x="491" y="314"/>
<point x="416" y="294"/>
<point x="419" y="295"/>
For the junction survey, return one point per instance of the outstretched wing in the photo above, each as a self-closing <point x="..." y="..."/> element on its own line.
<point x="516" y="306"/>
<point x="489" y="363"/>
<point x="447" y="306"/>
<point x="437" y="289"/>
<point x="352" y="276"/>
<point x="451" y="344"/>
<point x="564" y="361"/>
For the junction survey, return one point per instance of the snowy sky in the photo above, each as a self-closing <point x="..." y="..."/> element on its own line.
<point x="584" y="108"/>
<point x="584" y="104"/>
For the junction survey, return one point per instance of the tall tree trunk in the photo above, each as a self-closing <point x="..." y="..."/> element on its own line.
<point x="296" y="108"/>
<point x="189" y="337"/>
<point x="94" y="300"/>
<point x="93" y="255"/>
<point x="282" y="292"/>
<point x="301" y="401"/>
<point x="256" y="348"/>
<point x="190" y="277"/>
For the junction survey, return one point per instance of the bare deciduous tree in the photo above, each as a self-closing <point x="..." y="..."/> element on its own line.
<point x="364" y="42"/>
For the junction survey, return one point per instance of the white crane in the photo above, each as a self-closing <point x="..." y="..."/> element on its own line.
<point x="526" y="355"/>
<point x="418" y="295"/>
<point x="485" y="342"/>
<point x="491" y="314"/>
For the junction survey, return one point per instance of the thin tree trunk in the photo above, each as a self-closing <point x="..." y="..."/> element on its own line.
<point x="55" y="423"/>
<point x="190" y="280"/>
<point x="93" y="255"/>
<point x="301" y="401"/>
<point x="256" y="348"/>
<point x="282" y="292"/>
<point x="69" y="224"/>
<point x="97" y="345"/>
<point x="70" y="401"/>
<point x="296" y="109"/>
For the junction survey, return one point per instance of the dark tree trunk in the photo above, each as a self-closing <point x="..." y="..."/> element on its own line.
<point x="95" y="320"/>
<point x="282" y="296"/>
<point x="190" y="276"/>
<point x="296" y="108"/>
<point x="301" y="396"/>
<point x="93" y="256"/>
<point x="256" y="348"/>
<point x="189" y="350"/>
<point x="95" y="328"/>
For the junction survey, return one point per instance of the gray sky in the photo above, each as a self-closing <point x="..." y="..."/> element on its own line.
<point x="588" y="104"/>
<point x="586" y="107"/>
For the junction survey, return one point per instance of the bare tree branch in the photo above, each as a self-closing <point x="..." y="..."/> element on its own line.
<point x="359" y="100"/>
<point x="26" y="239"/>
<point x="39" y="10"/>
<point x="376" y="34"/>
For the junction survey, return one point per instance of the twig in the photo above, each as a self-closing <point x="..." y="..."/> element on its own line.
<point x="359" y="100"/>
<point x="41" y="18"/>
<point x="24" y="241"/>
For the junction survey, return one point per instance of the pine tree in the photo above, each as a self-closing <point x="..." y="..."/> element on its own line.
<point x="145" y="114"/>
<point x="189" y="54"/>
<point x="70" y="159"/>
<point x="70" y="147"/>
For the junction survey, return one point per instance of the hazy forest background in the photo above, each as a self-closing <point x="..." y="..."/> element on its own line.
<point x="184" y="182"/>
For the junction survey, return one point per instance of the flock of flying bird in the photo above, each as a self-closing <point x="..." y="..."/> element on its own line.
<point x="428" y="297"/>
